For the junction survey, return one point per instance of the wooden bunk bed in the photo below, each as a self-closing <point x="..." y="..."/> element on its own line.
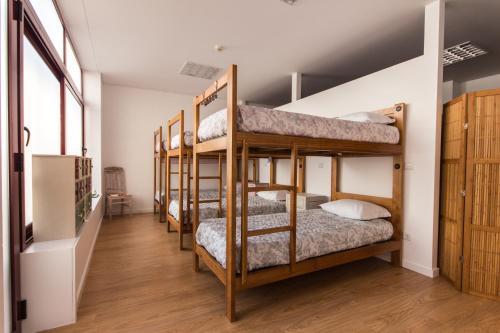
<point x="183" y="153"/>
<point x="159" y="156"/>
<point x="236" y="142"/>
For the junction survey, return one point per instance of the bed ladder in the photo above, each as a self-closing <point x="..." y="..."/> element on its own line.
<point x="291" y="228"/>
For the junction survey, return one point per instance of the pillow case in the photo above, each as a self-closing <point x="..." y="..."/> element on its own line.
<point x="368" y="117"/>
<point x="356" y="209"/>
<point x="273" y="195"/>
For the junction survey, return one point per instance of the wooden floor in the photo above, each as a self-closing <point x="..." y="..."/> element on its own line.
<point x="139" y="282"/>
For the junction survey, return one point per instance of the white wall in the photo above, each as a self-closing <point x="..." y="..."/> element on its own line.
<point x="92" y="87"/>
<point x="130" y="116"/>
<point x="417" y="82"/>
<point x="4" y="194"/>
<point x="452" y="89"/>
<point x="488" y="82"/>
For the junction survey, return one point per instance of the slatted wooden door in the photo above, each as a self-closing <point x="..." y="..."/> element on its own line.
<point x="452" y="205"/>
<point x="482" y="216"/>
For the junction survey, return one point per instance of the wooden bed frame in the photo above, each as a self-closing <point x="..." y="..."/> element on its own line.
<point x="236" y="142"/>
<point x="185" y="153"/>
<point x="158" y="158"/>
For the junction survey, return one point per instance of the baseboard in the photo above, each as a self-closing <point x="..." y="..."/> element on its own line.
<point x="424" y="270"/>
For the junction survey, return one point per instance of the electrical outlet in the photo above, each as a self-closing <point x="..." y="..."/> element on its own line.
<point x="406" y="237"/>
<point x="321" y="165"/>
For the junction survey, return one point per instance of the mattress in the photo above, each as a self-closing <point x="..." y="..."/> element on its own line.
<point x="262" y="120"/>
<point x="318" y="233"/>
<point x="256" y="206"/>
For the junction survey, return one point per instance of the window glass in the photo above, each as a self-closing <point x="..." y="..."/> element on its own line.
<point x="47" y="13"/>
<point x="73" y="128"/>
<point x="42" y="115"/>
<point x="73" y="66"/>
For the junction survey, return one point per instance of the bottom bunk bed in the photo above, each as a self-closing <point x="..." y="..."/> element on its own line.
<point x="210" y="210"/>
<point x="318" y="233"/>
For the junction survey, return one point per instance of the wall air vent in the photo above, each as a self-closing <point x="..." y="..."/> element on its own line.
<point x="461" y="52"/>
<point x="197" y="70"/>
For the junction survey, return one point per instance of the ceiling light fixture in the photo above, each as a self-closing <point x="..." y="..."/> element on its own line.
<point x="289" y="2"/>
<point x="461" y="52"/>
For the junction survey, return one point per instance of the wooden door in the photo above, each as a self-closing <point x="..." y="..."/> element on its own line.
<point x="482" y="217"/>
<point x="453" y="162"/>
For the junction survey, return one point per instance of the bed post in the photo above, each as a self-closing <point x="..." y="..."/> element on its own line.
<point x="272" y="171"/>
<point x="293" y="207"/>
<point x="335" y="177"/>
<point x="196" y="183"/>
<point x="398" y="182"/>
<point x="255" y="162"/>
<point x="219" y="183"/>
<point x="168" y="168"/>
<point x="154" y="177"/>
<point x="181" y="181"/>
<point x="244" y="212"/>
<point x="231" y="163"/>
<point x="160" y="182"/>
<point x="302" y="174"/>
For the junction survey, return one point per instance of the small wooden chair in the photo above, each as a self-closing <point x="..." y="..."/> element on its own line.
<point x="115" y="191"/>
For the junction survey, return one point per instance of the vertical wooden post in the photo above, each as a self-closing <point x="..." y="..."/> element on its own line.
<point x="167" y="187"/>
<point x="255" y="170"/>
<point x="398" y="184"/>
<point x="181" y="181"/>
<point x="293" y="207"/>
<point x="302" y="175"/>
<point x="220" y="186"/>
<point x="244" y="212"/>
<point x="335" y="177"/>
<point x="160" y="174"/>
<point x="154" y="177"/>
<point x="231" y="154"/>
<point x="272" y="171"/>
<point x="196" y="183"/>
<point x="188" y="187"/>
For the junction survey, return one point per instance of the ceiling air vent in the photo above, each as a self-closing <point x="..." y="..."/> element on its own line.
<point x="461" y="52"/>
<point x="199" y="70"/>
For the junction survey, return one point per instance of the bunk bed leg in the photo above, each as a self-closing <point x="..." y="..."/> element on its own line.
<point x="196" y="184"/>
<point x="398" y="185"/>
<point x="231" y="162"/>
<point x="181" y="200"/>
<point x="167" y="189"/>
<point x="154" y="182"/>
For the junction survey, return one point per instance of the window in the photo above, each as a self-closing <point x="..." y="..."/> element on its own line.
<point x="73" y="66"/>
<point x="51" y="105"/>
<point x="47" y="13"/>
<point x="42" y="115"/>
<point x="74" y="125"/>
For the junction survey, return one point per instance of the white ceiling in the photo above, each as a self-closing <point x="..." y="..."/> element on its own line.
<point x="143" y="43"/>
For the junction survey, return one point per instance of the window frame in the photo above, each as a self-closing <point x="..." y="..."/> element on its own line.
<point x="22" y="21"/>
<point x="35" y="32"/>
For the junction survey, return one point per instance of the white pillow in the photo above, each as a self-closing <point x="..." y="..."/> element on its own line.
<point x="273" y="195"/>
<point x="356" y="209"/>
<point x="368" y="117"/>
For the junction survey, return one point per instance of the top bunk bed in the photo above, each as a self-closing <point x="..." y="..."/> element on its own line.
<point x="278" y="130"/>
